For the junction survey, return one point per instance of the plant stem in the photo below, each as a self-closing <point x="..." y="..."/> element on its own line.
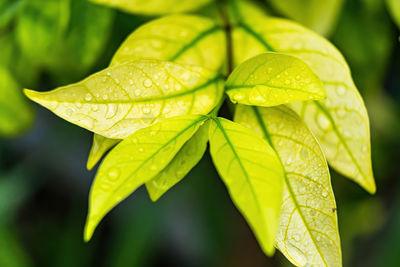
<point x="228" y="32"/>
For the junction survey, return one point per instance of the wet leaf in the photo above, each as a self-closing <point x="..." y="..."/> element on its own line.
<point x="253" y="174"/>
<point x="321" y="16"/>
<point x="308" y="230"/>
<point x="119" y="100"/>
<point x="190" y="154"/>
<point x="135" y="161"/>
<point x="100" y="146"/>
<point x="272" y="79"/>
<point x="16" y="114"/>
<point x="341" y="121"/>
<point x="154" y="7"/>
<point x="170" y="39"/>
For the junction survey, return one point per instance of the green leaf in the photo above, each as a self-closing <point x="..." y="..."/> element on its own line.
<point x="190" y="154"/>
<point x="341" y="121"/>
<point x="40" y="25"/>
<point x="253" y="175"/>
<point x="154" y="7"/>
<point x="16" y="114"/>
<point x="64" y="36"/>
<point x="100" y="146"/>
<point x="122" y="99"/>
<point x="136" y="160"/>
<point x="272" y="79"/>
<point x="394" y="9"/>
<point x="321" y="16"/>
<point x="308" y="230"/>
<point x="170" y="39"/>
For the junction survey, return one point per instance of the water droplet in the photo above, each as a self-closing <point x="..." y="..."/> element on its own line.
<point x="324" y="194"/>
<point x="153" y="133"/>
<point x="140" y="149"/>
<point x="138" y="92"/>
<point x="68" y="112"/>
<point x="88" y="97"/>
<point x="113" y="174"/>
<point x="153" y="167"/>
<point x="340" y="90"/>
<point x="323" y="122"/>
<point x="147" y="83"/>
<point x="287" y="82"/>
<point x="105" y="96"/>
<point x="130" y="82"/>
<point x="364" y="148"/>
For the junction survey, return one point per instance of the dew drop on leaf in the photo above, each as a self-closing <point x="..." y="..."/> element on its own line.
<point x="113" y="174"/>
<point x="341" y="90"/>
<point x="147" y="83"/>
<point x="323" y="122"/>
<point x="88" y="97"/>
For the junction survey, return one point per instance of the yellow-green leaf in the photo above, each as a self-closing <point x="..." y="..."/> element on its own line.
<point x="154" y="7"/>
<point x="136" y="160"/>
<point x="119" y="100"/>
<point x="100" y="146"/>
<point x="190" y="154"/>
<point x="308" y="230"/>
<point x="394" y="9"/>
<point x="16" y="114"/>
<point x="341" y="121"/>
<point x="170" y="39"/>
<point x="272" y="79"/>
<point x="253" y="175"/>
<point x="321" y="16"/>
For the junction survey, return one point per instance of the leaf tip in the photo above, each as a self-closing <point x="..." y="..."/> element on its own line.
<point x="90" y="226"/>
<point x="31" y="94"/>
<point x="91" y="162"/>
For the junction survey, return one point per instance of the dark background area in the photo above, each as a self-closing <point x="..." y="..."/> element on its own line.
<point x="44" y="183"/>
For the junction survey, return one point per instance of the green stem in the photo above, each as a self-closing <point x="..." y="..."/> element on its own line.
<point x="228" y="32"/>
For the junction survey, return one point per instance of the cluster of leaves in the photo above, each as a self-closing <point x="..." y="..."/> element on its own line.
<point x="56" y="37"/>
<point x="296" y="107"/>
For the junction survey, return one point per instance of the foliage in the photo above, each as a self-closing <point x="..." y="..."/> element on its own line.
<point x="161" y="100"/>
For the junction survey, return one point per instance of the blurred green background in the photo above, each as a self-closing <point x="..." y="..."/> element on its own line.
<point x="44" y="183"/>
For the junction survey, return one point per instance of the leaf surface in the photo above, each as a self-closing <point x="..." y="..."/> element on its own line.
<point x="308" y="230"/>
<point x="272" y="79"/>
<point x="16" y="114"/>
<point x="341" y="121"/>
<point x="154" y="7"/>
<point x="100" y="146"/>
<point x="121" y="99"/>
<point x="170" y="39"/>
<point x="185" y="39"/>
<point x="136" y="160"/>
<point x="190" y="154"/>
<point x="253" y="175"/>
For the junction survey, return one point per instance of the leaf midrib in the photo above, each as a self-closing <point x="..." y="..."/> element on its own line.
<point x="140" y="100"/>
<point x="290" y="189"/>
<point x="319" y="105"/>
<point x="201" y="117"/>
<point x="216" y="120"/>
<point x="194" y="41"/>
